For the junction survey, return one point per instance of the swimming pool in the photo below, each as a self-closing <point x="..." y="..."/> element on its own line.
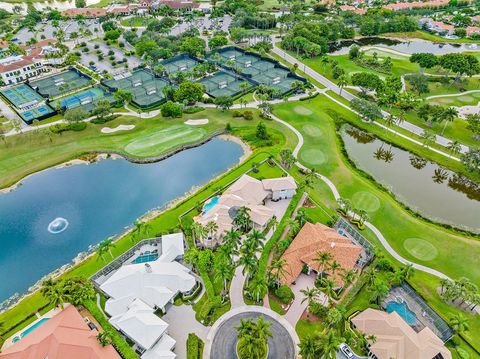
<point x="146" y="258"/>
<point x="30" y="329"/>
<point x="403" y="310"/>
<point x="210" y="204"/>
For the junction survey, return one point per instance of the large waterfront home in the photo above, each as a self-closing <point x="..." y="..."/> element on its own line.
<point x="251" y="193"/>
<point x="137" y="290"/>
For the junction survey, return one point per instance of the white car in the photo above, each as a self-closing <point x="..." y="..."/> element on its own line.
<point x="346" y="350"/>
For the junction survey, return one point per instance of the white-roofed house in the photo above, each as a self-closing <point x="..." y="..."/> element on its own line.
<point x="136" y="290"/>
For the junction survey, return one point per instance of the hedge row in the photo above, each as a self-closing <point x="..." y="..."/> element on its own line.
<point x="118" y="341"/>
<point x="63" y="127"/>
<point x="194" y="347"/>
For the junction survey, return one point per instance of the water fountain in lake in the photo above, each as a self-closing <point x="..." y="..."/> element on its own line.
<point x="58" y="225"/>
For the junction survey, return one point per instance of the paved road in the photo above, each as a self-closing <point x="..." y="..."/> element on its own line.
<point x="348" y="96"/>
<point x="281" y="346"/>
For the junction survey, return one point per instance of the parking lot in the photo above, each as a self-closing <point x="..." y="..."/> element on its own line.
<point x="106" y="63"/>
<point x="47" y="30"/>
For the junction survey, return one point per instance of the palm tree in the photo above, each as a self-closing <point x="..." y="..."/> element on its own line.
<point x="250" y="264"/>
<point x="293" y="225"/>
<point x="262" y="328"/>
<point x="327" y="286"/>
<point x="56" y="296"/>
<point x="223" y="271"/>
<point x="380" y="290"/>
<point x="439" y="175"/>
<point x="301" y="217"/>
<point x="336" y="316"/>
<point x="101" y="250"/>
<point x="104" y="338"/>
<point x="449" y="115"/>
<point x="342" y="82"/>
<point x="329" y="345"/>
<point x="211" y="228"/>
<point x="256" y="238"/>
<point x="309" y="295"/>
<point x="323" y="258"/>
<point x="277" y="269"/>
<point x="363" y="216"/>
<point x="459" y="323"/>
<point x="258" y="289"/>
<point x="272" y="223"/>
<point x="334" y="267"/>
<point x="309" y="347"/>
<point x="242" y="219"/>
<point x="232" y="238"/>
<point x="454" y="146"/>
<point x="428" y="137"/>
<point x="348" y="277"/>
<point x="107" y="245"/>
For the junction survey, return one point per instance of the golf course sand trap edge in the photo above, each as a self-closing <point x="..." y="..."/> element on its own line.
<point x="118" y="128"/>
<point x="202" y="121"/>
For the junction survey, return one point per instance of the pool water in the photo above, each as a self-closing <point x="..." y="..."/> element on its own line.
<point x="146" y="258"/>
<point x="403" y="310"/>
<point x="30" y="329"/>
<point x="210" y="204"/>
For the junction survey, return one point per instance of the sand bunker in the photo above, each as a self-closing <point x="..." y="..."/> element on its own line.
<point x="202" y="121"/>
<point x="118" y="128"/>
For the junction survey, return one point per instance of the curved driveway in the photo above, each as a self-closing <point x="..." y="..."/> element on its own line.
<point x="281" y="346"/>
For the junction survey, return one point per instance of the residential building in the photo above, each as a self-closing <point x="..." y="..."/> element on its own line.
<point x="65" y="335"/>
<point x="311" y="240"/>
<point x="394" y="338"/>
<point x="250" y="193"/>
<point x="138" y="289"/>
<point x="122" y="9"/>
<point x="472" y="30"/>
<point x="85" y="12"/>
<point x="20" y="67"/>
<point x="179" y="5"/>
<point x="437" y="27"/>
<point x="415" y="4"/>
<point x="356" y="10"/>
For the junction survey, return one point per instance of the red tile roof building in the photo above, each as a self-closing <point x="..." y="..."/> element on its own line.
<point x="64" y="336"/>
<point x="86" y="12"/>
<point x="356" y="10"/>
<point x="416" y="4"/>
<point x="313" y="239"/>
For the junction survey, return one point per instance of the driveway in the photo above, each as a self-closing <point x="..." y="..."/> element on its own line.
<point x="280" y="346"/>
<point x="297" y="308"/>
<point x="181" y="321"/>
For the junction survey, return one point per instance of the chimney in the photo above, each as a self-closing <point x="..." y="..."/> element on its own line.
<point x="332" y="244"/>
<point x="148" y="268"/>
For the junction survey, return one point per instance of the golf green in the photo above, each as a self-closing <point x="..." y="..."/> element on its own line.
<point x="312" y="131"/>
<point x="420" y="248"/>
<point x="366" y="201"/>
<point x="313" y="157"/>
<point x="164" y="140"/>
<point x="302" y="110"/>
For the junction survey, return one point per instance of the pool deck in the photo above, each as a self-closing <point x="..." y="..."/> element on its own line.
<point x="9" y="341"/>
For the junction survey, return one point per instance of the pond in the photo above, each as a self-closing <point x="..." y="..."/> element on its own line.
<point x="409" y="47"/>
<point x="96" y="201"/>
<point x="428" y="189"/>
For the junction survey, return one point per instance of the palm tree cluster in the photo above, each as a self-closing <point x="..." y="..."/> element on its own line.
<point x="320" y="345"/>
<point x="383" y="154"/>
<point x="249" y="252"/>
<point x="200" y="233"/>
<point x="74" y="290"/>
<point x="460" y="292"/>
<point x="253" y="338"/>
<point x="356" y="216"/>
<point x="242" y="219"/>
<point x="104" y="247"/>
<point x="140" y="229"/>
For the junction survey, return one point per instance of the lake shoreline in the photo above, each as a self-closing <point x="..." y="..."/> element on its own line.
<point x="147" y="216"/>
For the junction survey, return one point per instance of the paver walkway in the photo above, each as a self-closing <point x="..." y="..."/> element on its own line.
<point x="297" y="308"/>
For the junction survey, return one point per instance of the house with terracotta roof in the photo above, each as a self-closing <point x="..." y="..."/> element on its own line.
<point x="18" y="68"/>
<point x="394" y="338"/>
<point x="122" y="9"/>
<point x="64" y="336"/>
<point x="179" y="5"/>
<point x="415" y="4"/>
<point x="437" y="27"/>
<point x="251" y="193"/>
<point x="354" y="9"/>
<point x="311" y="240"/>
<point x="85" y="12"/>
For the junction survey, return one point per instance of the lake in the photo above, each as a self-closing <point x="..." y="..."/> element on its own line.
<point x="410" y="47"/>
<point x="428" y="189"/>
<point x="96" y="201"/>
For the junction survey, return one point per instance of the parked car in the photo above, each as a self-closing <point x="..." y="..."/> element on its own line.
<point x="346" y="350"/>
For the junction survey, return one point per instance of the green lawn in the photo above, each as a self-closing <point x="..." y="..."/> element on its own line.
<point x="424" y="35"/>
<point x="459" y="99"/>
<point x="136" y="21"/>
<point x="457" y="255"/>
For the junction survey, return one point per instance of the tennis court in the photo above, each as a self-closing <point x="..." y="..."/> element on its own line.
<point x="87" y="99"/>
<point x="223" y="84"/>
<point x="180" y="63"/>
<point x="252" y="66"/>
<point x="62" y="83"/>
<point x="37" y="113"/>
<point x="22" y="96"/>
<point x="146" y="89"/>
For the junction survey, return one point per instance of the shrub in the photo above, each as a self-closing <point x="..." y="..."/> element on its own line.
<point x="193" y="109"/>
<point x="63" y="127"/>
<point x="237" y="113"/>
<point x="248" y="115"/>
<point x="284" y="294"/>
<point x="171" y="109"/>
<point x="194" y="347"/>
<point x="384" y="265"/>
<point x="318" y="309"/>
